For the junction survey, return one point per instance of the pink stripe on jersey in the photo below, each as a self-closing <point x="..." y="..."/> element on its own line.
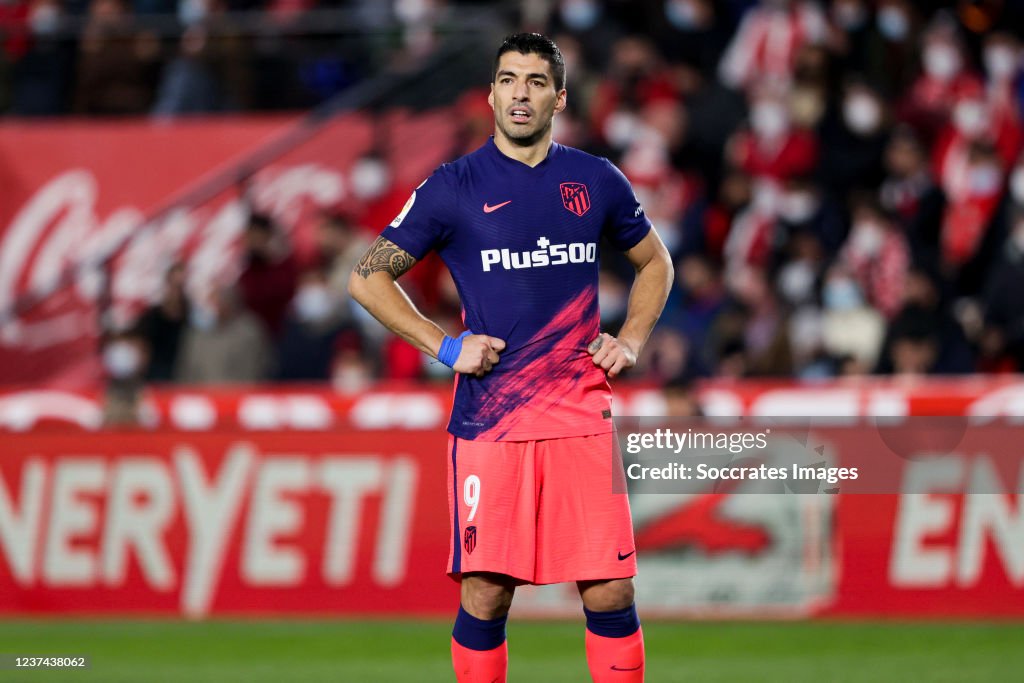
<point x="560" y="392"/>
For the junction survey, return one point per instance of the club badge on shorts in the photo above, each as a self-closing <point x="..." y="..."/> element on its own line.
<point x="469" y="539"/>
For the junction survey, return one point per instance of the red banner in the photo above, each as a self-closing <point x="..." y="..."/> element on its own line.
<point x="173" y="524"/>
<point x="940" y="554"/>
<point x="355" y="522"/>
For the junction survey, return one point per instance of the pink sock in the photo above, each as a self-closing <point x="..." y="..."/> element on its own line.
<point x="480" y="666"/>
<point x="616" y="660"/>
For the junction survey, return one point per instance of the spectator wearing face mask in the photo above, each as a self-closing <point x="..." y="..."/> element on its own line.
<point x="224" y="344"/>
<point x="772" y="149"/>
<point x="877" y="256"/>
<point x="636" y="77"/>
<point x="588" y="22"/>
<point x="804" y="207"/>
<point x="351" y="370"/>
<point x="945" y="79"/>
<point x="1015" y="185"/>
<point x="306" y="347"/>
<point x="750" y="239"/>
<point x="764" y="47"/>
<point x="853" y="141"/>
<point x="849" y="25"/>
<point x="40" y="78"/>
<point x="975" y="122"/>
<point x="125" y="355"/>
<point x="797" y="281"/>
<point x="892" y="45"/>
<point x="969" y="162"/>
<point x="849" y="33"/>
<point x="689" y="32"/>
<point x="1001" y="57"/>
<point x="379" y="197"/>
<point x="663" y="190"/>
<point x="760" y="232"/>
<point x="973" y="186"/>
<point x="797" y="278"/>
<point x="373" y="185"/>
<point x="852" y="332"/>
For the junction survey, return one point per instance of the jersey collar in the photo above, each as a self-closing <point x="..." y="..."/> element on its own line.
<point x="515" y="163"/>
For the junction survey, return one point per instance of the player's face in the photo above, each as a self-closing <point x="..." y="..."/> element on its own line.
<point x="524" y="98"/>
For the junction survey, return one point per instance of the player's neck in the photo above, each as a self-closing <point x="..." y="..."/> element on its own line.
<point x="531" y="155"/>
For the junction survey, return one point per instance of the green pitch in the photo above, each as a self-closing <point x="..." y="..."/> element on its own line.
<point x="395" y="651"/>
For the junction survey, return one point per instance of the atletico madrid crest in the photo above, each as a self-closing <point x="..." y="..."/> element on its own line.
<point x="469" y="539"/>
<point x="575" y="198"/>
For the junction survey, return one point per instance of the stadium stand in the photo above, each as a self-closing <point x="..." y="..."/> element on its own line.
<point x="838" y="183"/>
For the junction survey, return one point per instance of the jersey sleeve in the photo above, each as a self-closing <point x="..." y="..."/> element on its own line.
<point x="424" y="223"/>
<point x="627" y="223"/>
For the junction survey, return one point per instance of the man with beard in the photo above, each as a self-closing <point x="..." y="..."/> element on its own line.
<point x="530" y="456"/>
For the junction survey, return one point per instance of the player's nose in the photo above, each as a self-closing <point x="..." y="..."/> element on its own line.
<point x="521" y="93"/>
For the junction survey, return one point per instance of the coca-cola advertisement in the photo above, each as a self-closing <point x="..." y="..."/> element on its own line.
<point x="92" y="215"/>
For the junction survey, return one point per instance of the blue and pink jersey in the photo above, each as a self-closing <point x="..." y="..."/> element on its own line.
<point x="523" y="245"/>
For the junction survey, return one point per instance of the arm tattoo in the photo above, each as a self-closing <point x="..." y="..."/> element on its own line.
<point x="387" y="256"/>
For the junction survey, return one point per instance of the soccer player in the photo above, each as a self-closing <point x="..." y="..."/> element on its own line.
<point x="530" y="455"/>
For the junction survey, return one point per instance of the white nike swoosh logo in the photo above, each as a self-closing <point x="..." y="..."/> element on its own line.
<point x="488" y="208"/>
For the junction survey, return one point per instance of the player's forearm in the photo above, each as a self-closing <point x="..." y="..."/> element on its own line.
<point x="646" y="301"/>
<point x="385" y="300"/>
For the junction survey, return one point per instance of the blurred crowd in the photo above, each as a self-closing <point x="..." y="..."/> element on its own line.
<point x="840" y="185"/>
<point x="173" y="57"/>
<point x="285" y="319"/>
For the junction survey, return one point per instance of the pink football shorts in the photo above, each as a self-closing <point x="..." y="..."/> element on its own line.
<point x="539" y="511"/>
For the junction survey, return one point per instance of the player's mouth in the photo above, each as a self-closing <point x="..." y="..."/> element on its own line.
<point x="520" y="114"/>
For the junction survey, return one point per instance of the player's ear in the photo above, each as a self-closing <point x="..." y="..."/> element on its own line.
<point x="561" y="101"/>
<point x="490" y="96"/>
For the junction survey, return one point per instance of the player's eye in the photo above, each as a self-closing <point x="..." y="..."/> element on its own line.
<point x="539" y="84"/>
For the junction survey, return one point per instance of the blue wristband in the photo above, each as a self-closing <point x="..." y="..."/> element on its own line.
<point x="450" y="349"/>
